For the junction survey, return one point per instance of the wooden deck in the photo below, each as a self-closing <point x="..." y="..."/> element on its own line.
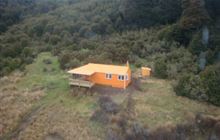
<point x="81" y="83"/>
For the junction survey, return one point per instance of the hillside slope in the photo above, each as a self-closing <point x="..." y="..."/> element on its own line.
<point x="57" y="113"/>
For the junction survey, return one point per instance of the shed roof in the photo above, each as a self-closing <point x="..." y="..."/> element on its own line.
<point x="146" y="68"/>
<point x="92" y="68"/>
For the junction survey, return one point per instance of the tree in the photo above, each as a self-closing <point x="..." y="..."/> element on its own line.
<point x="213" y="7"/>
<point x="211" y="81"/>
<point x="160" y="69"/>
<point x="190" y="86"/>
<point x="194" y="14"/>
<point x="143" y="13"/>
<point x="196" y="45"/>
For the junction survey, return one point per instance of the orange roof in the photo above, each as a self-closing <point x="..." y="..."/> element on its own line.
<point x="146" y="68"/>
<point x="91" y="68"/>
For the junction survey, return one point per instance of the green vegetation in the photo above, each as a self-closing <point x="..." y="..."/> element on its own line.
<point x="78" y="32"/>
<point x="162" y="106"/>
<point x="178" y="39"/>
<point x="203" y="87"/>
<point x="48" y="76"/>
<point x="142" y="13"/>
<point x="68" y="115"/>
<point x="194" y="15"/>
<point x="44" y="75"/>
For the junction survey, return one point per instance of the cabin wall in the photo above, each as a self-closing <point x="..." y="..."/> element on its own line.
<point x="129" y="77"/>
<point x="100" y="78"/>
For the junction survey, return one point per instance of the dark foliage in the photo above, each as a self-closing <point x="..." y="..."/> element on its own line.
<point x="211" y="81"/>
<point x="11" y="12"/>
<point x="106" y="104"/>
<point x="137" y="132"/>
<point x="194" y="14"/>
<point x="47" y="61"/>
<point x="205" y="122"/>
<point x="213" y="7"/>
<point x="202" y="87"/>
<point x="160" y="69"/>
<point x="113" y="135"/>
<point x="100" y="116"/>
<point x="107" y="107"/>
<point x="215" y="132"/>
<point x="145" y="13"/>
<point x="190" y="86"/>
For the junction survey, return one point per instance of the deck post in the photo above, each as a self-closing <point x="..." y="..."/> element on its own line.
<point x="124" y="82"/>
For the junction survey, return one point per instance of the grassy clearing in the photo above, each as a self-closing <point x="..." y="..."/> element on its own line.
<point x="47" y="76"/>
<point x="159" y="105"/>
<point x="63" y="114"/>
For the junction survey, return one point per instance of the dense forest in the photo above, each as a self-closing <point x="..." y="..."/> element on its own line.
<point x="179" y="39"/>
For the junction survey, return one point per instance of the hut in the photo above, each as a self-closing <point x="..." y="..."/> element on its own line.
<point x="102" y="74"/>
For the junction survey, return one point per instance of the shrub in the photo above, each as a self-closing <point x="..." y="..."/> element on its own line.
<point x="108" y="105"/>
<point x="205" y="122"/>
<point x="160" y="68"/>
<point x="47" y="61"/>
<point x="196" y="45"/>
<point x="137" y="132"/>
<point x="73" y="63"/>
<point x="54" y="39"/>
<point x="64" y="58"/>
<point x="175" y="33"/>
<point x="100" y="116"/>
<point x="211" y="81"/>
<point x="113" y="135"/>
<point x="190" y="86"/>
<point x="201" y="87"/>
<point x="164" y="133"/>
<point x="215" y="133"/>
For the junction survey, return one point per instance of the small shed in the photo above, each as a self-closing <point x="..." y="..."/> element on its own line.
<point x="145" y="72"/>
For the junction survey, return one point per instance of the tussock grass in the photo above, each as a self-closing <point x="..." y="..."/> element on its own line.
<point x="158" y="105"/>
<point x="13" y="105"/>
<point x="63" y="114"/>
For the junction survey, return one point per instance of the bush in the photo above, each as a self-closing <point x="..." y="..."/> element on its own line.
<point x="175" y="33"/>
<point x="137" y="132"/>
<point x="54" y="39"/>
<point x="108" y="105"/>
<point x="47" y="61"/>
<point x="204" y="86"/>
<point x="73" y="63"/>
<point x="190" y="86"/>
<point x="160" y="68"/>
<point x="211" y="81"/>
<point x="196" y="45"/>
<point x="164" y="133"/>
<point x="113" y="135"/>
<point x="215" y="133"/>
<point x="64" y="59"/>
<point x="100" y="116"/>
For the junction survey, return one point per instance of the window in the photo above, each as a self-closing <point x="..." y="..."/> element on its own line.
<point x="126" y="77"/>
<point x="108" y="76"/>
<point x="121" y="77"/>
